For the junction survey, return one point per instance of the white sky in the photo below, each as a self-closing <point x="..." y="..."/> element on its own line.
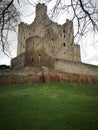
<point x="89" y="50"/>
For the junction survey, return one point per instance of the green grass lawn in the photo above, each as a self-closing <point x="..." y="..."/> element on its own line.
<point x="52" y="106"/>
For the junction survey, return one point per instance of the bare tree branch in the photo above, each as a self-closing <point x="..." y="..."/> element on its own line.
<point x="8" y="16"/>
<point x="83" y="13"/>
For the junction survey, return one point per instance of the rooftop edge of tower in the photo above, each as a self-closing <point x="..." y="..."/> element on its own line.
<point x="41" y="10"/>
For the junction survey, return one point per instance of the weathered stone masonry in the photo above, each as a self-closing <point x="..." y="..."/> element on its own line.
<point x="46" y="52"/>
<point x="43" y="35"/>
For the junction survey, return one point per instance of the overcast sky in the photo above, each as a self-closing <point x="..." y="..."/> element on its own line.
<point x="89" y="50"/>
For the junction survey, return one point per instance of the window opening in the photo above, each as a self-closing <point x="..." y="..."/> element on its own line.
<point x="52" y="39"/>
<point x="39" y="57"/>
<point x="32" y="59"/>
<point x="64" y="31"/>
<point x="64" y="44"/>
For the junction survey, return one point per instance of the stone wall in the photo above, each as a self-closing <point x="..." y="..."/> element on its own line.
<point x="76" y="68"/>
<point x="18" y="62"/>
<point x="12" y="79"/>
<point x="35" y="54"/>
<point x="39" y="58"/>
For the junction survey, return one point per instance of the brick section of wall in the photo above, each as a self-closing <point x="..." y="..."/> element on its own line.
<point x="10" y="80"/>
<point x="73" y="78"/>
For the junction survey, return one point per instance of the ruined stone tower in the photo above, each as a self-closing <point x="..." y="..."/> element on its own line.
<point x="44" y="41"/>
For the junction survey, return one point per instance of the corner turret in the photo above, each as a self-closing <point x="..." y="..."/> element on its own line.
<point x="41" y="10"/>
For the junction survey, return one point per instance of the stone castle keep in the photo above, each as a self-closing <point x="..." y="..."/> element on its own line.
<point x="46" y="52"/>
<point x="40" y="43"/>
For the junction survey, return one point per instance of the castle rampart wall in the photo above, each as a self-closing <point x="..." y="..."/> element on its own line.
<point x="18" y="62"/>
<point x="12" y="77"/>
<point x="76" y="68"/>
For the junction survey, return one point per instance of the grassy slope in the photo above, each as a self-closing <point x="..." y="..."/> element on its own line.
<point x="52" y="106"/>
